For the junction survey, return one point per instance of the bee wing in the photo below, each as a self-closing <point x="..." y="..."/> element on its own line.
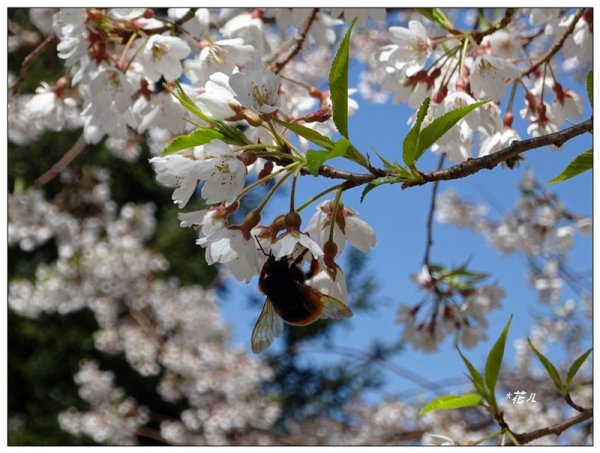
<point x="268" y="326"/>
<point x="334" y="308"/>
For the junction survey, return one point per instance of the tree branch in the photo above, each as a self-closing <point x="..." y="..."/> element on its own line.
<point x="479" y="35"/>
<point x="30" y="58"/>
<point x="557" y="46"/>
<point x="63" y="163"/>
<point x="458" y="171"/>
<point x="298" y="42"/>
<point x="472" y="166"/>
<point x="556" y="429"/>
<point x="429" y="241"/>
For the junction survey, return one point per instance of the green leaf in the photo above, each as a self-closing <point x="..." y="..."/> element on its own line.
<point x="576" y="365"/>
<point x="411" y="141"/>
<point x="338" y="84"/>
<point x="309" y="134"/>
<point x="550" y="368"/>
<point x="200" y="136"/>
<point x="451" y="402"/>
<point x="441" y="125"/>
<point x="494" y="362"/>
<point x="189" y="105"/>
<point x="314" y="159"/>
<point x="438" y="16"/>
<point x="590" y="87"/>
<point x="476" y="377"/>
<point x="580" y="164"/>
<point x="378" y="182"/>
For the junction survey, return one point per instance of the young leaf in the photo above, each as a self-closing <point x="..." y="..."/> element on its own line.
<point x="590" y="87"/>
<point x="338" y="84"/>
<point x="438" y="16"/>
<point x="441" y="125"/>
<point x="476" y="377"/>
<point x="576" y="365"/>
<point x="309" y="134"/>
<point x="451" y="402"/>
<point x="494" y="362"/>
<point x="378" y="182"/>
<point x="200" y="136"/>
<point x="314" y="159"/>
<point x="411" y="141"/>
<point x="185" y="100"/>
<point x="549" y="368"/>
<point x="580" y="164"/>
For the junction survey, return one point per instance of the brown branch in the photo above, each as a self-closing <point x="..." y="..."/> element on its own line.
<point x="508" y="15"/>
<point x="170" y="25"/>
<point x="458" y="171"/>
<point x="29" y="59"/>
<point x="429" y="241"/>
<point x="298" y="42"/>
<point x="555" y="429"/>
<point x="63" y="163"/>
<point x="557" y="46"/>
<point x="472" y="166"/>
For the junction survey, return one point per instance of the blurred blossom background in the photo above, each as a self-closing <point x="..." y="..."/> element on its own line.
<point x="119" y="333"/>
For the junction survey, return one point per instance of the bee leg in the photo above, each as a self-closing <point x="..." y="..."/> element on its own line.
<point x="299" y="258"/>
<point x="314" y="269"/>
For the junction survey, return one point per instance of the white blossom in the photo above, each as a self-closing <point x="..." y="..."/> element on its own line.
<point x="162" y="55"/>
<point x="256" y="88"/>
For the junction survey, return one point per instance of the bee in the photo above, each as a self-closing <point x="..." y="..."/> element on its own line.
<point x="290" y="300"/>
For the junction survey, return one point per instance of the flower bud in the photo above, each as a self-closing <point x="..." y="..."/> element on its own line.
<point x="266" y="170"/>
<point x="248" y="157"/>
<point x="508" y="120"/>
<point x="330" y="250"/>
<point x="293" y="221"/>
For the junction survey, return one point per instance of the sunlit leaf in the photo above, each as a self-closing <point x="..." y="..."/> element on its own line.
<point x="379" y="181"/>
<point x="550" y="368"/>
<point x="438" y="127"/>
<point x="493" y="362"/>
<point x="411" y="141"/>
<point x="576" y="365"/>
<point x="200" y="136"/>
<point x="338" y="84"/>
<point x="309" y="134"/>
<point x="451" y="402"/>
<point x="580" y="164"/>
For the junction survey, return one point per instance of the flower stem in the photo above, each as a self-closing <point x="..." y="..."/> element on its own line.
<point x="336" y="204"/>
<point x="265" y="200"/>
<point x="319" y="195"/>
<point x="263" y="180"/>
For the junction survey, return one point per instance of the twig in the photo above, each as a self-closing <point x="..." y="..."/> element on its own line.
<point x="508" y="15"/>
<point x="458" y="171"/>
<point x="557" y="46"/>
<point x="367" y="357"/>
<point x="63" y="163"/>
<point x="556" y="429"/>
<point x="429" y="241"/>
<point x="298" y="42"/>
<point x="29" y="59"/>
<point x="472" y="166"/>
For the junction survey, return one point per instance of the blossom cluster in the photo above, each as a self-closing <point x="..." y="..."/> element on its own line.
<point x="539" y="226"/>
<point x="161" y="328"/>
<point x="233" y="65"/>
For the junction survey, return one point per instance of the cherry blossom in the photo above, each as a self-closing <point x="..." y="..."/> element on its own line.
<point x="256" y="88"/>
<point x="490" y="75"/>
<point x="162" y="55"/>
